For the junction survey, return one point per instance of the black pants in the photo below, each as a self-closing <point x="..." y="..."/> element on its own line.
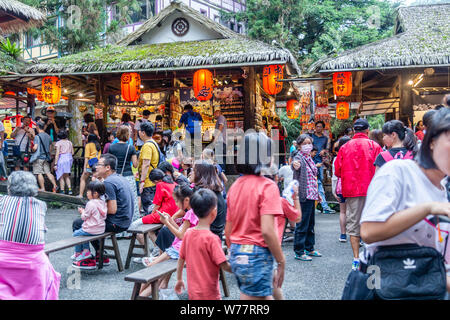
<point x="109" y="227"/>
<point x="165" y="238"/>
<point x="304" y="237"/>
<point x="147" y="198"/>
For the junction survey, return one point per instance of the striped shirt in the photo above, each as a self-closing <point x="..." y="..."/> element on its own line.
<point x="312" y="191"/>
<point x="22" y="219"/>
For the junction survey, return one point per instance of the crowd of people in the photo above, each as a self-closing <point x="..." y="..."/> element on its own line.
<point x="391" y="191"/>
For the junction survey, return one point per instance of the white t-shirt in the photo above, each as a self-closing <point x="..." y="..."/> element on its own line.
<point x="287" y="174"/>
<point x="398" y="185"/>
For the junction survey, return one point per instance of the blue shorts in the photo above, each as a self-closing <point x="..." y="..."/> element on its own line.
<point x="341" y="198"/>
<point x="252" y="265"/>
<point x="173" y="253"/>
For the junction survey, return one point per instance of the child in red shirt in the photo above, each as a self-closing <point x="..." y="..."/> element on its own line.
<point x="163" y="201"/>
<point x="202" y="251"/>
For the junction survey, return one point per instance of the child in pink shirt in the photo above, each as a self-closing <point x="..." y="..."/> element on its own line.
<point x="202" y="251"/>
<point x="94" y="216"/>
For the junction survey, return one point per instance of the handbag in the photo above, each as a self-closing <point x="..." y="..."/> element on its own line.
<point x="410" y="272"/>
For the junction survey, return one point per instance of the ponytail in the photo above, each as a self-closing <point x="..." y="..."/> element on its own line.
<point x="410" y="141"/>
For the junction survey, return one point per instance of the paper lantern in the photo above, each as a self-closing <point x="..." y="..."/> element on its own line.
<point x="9" y="93"/>
<point x="342" y="84"/>
<point x="51" y="89"/>
<point x="292" y="109"/>
<point x="130" y="86"/>
<point x="271" y="74"/>
<point x="203" y="85"/>
<point x="342" y="110"/>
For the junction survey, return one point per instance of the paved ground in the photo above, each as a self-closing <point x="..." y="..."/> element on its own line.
<point x="321" y="279"/>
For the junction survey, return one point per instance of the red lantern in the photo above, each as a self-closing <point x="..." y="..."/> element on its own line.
<point x="342" y="84"/>
<point x="130" y="86"/>
<point x="292" y="109"/>
<point x="10" y="93"/>
<point x="342" y="110"/>
<point x="203" y="85"/>
<point x="271" y="74"/>
<point x="51" y="89"/>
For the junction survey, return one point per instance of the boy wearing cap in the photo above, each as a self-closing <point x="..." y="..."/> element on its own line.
<point x="354" y="165"/>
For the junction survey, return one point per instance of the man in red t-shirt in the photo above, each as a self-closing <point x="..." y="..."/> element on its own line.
<point x="202" y="251"/>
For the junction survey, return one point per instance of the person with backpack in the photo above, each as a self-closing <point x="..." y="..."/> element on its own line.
<point x="400" y="140"/>
<point x="149" y="158"/>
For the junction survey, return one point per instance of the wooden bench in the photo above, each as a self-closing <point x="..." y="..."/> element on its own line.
<point x="151" y="275"/>
<point x="72" y="242"/>
<point x="144" y="230"/>
<point x="154" y="273"/>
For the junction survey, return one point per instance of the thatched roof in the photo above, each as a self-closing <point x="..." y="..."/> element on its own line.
<point x="229" y="49"/>
<point x="16" y="17"/>
<point x="167" y="56"/>
<point x="422" y="39"/>
<point x="176" y="6"/>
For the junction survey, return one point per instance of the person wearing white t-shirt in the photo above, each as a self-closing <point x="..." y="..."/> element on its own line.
<point x="286" y="175"/>
<point x="404" y="195"/>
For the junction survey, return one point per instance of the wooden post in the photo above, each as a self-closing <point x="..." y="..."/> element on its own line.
<point x="75" y="122"/>
<point x="250" y="99"/>
<point x="406" y="107"/>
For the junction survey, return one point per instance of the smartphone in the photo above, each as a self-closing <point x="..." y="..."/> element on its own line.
<point x="161" y="214"/>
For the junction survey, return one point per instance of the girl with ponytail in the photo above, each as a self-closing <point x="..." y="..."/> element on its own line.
<point x="400" y="141"/>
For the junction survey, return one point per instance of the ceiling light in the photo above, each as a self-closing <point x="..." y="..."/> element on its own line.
<point x="410" y="82"/>
<point x="80" y="95"/>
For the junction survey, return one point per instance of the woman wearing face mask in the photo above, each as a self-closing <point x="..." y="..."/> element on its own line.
<point x="305" y="172"/>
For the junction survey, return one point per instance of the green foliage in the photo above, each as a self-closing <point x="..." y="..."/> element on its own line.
<point x="292" y="126"/>
<point x="376" y="121"/>
<point x="313" y="29"/>
<point x="338" y="126"/>
<point x="84" y="26"/>
<point x="10" y="49"/>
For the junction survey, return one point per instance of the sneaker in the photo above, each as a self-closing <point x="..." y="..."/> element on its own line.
<point x="105" y="260"/>
<point x="75" y="256"/>
<point x="329" y="211"/>
<point x="70" y="192"/>
<point x="343" y="238"/>
<point x="155" y="252"/>
<point x="86" y="264"/>
<point x="83" y="256"/>
<point x="356" y="264"/>
<point x="287" y="238"/>
<point x="303" y="257"/>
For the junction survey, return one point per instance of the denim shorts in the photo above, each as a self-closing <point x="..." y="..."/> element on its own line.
<point x="173" y="253"/>
<point x="252" y="265"/>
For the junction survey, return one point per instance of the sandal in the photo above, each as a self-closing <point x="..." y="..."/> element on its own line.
<point x="313" y="253"/>
<point x="303" y="257"/>
<point x="147" y="260"/>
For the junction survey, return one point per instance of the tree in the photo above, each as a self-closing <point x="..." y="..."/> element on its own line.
<point x="314" y="29"/>
<point x="84" y="22"/>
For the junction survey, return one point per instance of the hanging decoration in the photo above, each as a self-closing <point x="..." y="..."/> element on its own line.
<point x="131" y="86"/>
<point x="342" y="84"/>
<point x="51" y="89"/>
<point x="271" y="74"/>
<point x="342" y="110"/>
<point x="293" y="109"/>
<point x="37" y="93"/>
<point x="203" y="85"/>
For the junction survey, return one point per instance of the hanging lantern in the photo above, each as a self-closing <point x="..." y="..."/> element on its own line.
<point x="203" y="84"/>
<point x="130" y="86"/>
<point x="342" y="84"/>
<point x="51" y="89"/>
<point x="292" y="109"/>
<point x="9" y="93"/>
<point x="342" y="110"/>
<point x="271" y="74"/>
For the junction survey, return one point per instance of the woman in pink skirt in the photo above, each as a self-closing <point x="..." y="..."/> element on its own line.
<point x="63" y="161"/>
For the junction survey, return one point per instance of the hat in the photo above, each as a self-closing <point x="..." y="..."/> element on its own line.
<point x="50" y="108"/>
<point x="361" y="124"/>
